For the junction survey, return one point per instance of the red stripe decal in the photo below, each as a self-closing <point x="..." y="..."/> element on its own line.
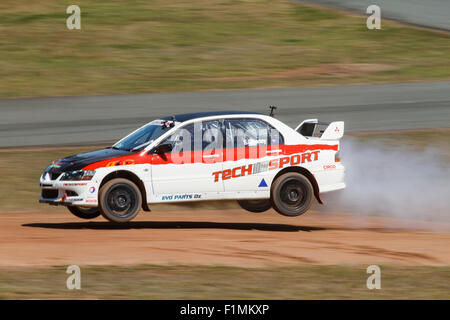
<point x="198" y="156"/>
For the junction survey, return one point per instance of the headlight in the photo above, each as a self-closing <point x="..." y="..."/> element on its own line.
<point x="78" y="175"/>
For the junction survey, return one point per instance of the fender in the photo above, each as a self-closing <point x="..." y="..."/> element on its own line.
<point x="132" y="177"/>
<point x="307" y="174"/>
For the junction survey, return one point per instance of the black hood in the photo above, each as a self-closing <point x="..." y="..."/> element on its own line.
<point x="79" y="161"/>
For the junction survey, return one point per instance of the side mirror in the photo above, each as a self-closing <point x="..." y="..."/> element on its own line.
<point x="162" y="148"/>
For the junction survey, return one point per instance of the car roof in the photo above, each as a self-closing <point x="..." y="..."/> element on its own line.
<point x="189" y="116"/>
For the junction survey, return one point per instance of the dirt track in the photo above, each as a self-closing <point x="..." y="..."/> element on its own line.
<point x="231" y="237"/>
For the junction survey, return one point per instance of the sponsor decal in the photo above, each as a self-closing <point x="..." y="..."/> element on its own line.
<point x="185" y="196"/>
<point x="260" y="167"/>
<point x="262" y="184"/>
<point x="74" y="184"/>
<point x="92" y="189"/>
<point x="266" y="166"/>
<point x="76" y="199"/>
<point x="120" y="163"/>
<point x="55" y="164"/>
<point x="329" y="167"/>
<point x="91" y="200"/>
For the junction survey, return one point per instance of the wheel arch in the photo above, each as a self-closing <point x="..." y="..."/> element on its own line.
<point x="125" y="174"/>
<point x="307" y="174"/>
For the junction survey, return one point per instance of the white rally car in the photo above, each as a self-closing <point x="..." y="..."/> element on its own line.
<point x="251" y="157"/>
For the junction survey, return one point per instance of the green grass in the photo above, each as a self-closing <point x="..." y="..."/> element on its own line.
<point x="23" y="167"/>
<point x="216" y="282"/>
<point x="154" y="46"/>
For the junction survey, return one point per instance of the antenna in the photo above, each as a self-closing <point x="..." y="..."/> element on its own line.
<point x="272" y="113"/>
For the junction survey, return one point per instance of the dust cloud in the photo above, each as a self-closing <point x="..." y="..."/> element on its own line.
<point x="398" y="182"/>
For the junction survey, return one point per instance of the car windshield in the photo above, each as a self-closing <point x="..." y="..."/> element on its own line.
<point x="142" y="137"/>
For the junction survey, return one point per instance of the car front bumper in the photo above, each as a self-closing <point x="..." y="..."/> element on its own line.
<point x="68" y="193"/>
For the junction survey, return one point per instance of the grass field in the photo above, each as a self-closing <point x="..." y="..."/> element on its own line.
<point x="154" y="46"/>
<point x="195" y="282"/>
<point x="23" y="167"/>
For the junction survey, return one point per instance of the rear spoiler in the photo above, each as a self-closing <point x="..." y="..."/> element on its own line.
<point x="323" y="130"/>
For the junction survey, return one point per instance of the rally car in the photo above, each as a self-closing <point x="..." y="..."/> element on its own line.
<point x="251" y="157"/>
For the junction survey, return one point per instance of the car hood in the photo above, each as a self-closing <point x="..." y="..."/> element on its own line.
<point x="79" y="161"/>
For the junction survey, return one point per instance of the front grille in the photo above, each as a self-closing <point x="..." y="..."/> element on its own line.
<point x="71" y="193"/>
<point x="46" y="185"/>
<point x="49" y="193"/>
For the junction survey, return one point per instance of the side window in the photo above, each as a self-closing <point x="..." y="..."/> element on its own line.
<point x="250" y="133"/>
<point x="275" y="137"/>
<point x="212" y="135"/>
<point x="206" y="135"/>
<point x="182" y="139"/>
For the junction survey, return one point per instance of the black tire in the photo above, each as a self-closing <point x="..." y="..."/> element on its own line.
<point x="291" y="194"/>
<point x="258" y="205"/>
<point x="120" y="200"/>
<point x="84" y="212"/>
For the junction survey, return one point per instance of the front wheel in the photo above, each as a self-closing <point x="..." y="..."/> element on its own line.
<point x="256" y="206"/>
<point x="120" y="200"/>
<point x="84" y="212"/>
<point x="291" y="194"/>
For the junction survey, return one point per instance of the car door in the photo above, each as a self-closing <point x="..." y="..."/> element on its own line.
<point x="250" y="145"/>
<point x="197" y="151"/>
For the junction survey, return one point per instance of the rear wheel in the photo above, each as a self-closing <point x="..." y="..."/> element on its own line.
<point x="259" y="205"/>
<point x="84" y="212"/>
<point x="291" y="194"/>
<point x="120" y="200"/>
